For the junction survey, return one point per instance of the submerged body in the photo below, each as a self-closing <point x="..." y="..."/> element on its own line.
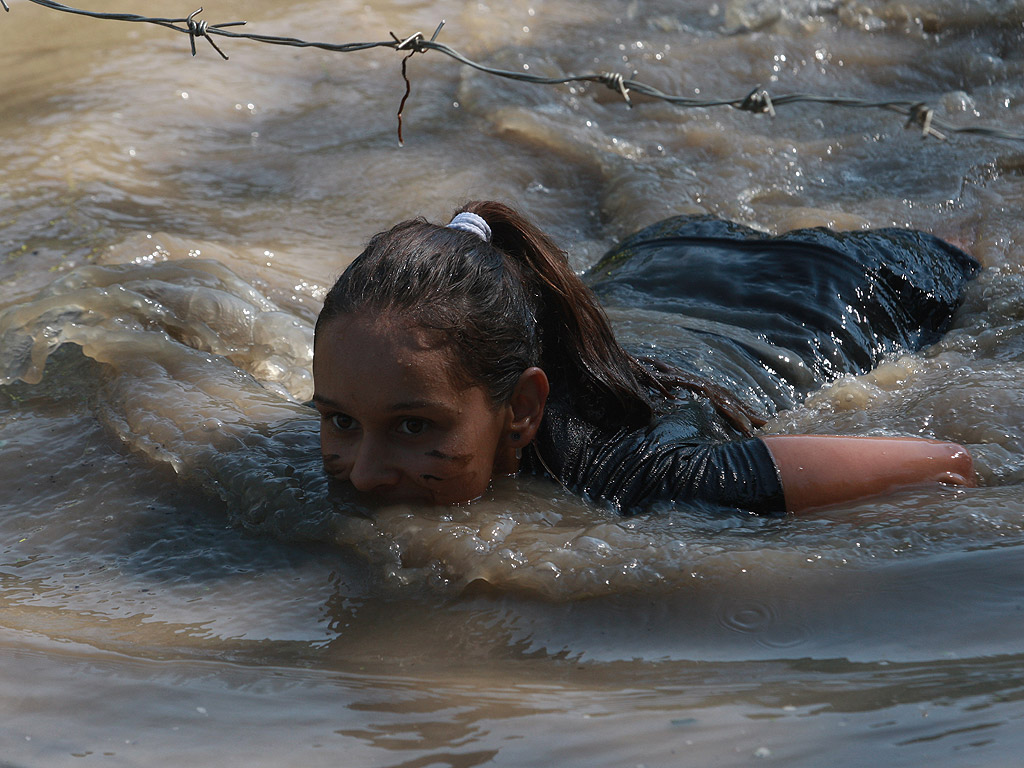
<point x="788" y="313"/>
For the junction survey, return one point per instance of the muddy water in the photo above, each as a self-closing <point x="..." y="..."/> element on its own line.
<point x="176" y="585"/>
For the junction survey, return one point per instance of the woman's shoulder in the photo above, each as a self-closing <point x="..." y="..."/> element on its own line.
<point x="687" y="455"/>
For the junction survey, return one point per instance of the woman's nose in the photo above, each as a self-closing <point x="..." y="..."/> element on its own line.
<point x="371" y="467"/>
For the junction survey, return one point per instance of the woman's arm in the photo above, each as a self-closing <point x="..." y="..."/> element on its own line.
<point x="816" y="470"/>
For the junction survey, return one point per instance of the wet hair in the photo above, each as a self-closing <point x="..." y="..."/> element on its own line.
<point x="505" y="306"/>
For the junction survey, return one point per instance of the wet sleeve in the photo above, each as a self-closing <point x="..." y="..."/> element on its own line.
<point x="635" y="468"/>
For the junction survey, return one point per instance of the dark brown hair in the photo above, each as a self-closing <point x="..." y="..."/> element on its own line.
<point x="507" y="305"/>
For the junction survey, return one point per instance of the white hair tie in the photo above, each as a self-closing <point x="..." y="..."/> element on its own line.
<point x="470" y="222"/>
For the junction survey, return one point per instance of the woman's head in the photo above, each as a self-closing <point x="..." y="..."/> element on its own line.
<point x="425" y="366"/>
<point x="400" y="420"/>
<point x="481" y="325"/>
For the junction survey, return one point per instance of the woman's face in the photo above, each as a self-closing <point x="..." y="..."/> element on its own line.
<point x="395" y="422"/>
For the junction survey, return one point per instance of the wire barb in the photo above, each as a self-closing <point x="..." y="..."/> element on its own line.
<point x="413" y="43"/>
<point x="923" y="115"/>
<point x="201" y="29"/>
<point x="5" y="5"/>
<point x="757" y="101"/>
<point x="616" y="82"/>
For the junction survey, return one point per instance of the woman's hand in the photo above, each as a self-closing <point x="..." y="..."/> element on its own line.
<point x="817" y="470"/>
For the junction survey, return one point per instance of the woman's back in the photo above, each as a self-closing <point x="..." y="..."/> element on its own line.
<point x="840" y="301"/>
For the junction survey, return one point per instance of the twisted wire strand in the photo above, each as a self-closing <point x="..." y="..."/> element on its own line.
<point x="757" y="101"/>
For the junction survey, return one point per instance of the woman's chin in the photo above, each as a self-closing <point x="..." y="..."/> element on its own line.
<point x="411" y="497"/>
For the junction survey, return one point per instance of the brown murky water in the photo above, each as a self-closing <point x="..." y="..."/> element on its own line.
<point x="175" y="588"/>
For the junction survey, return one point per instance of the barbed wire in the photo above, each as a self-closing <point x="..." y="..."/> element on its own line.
<point x="758" y="101"/>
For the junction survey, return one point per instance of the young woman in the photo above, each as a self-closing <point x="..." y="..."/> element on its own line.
<point x="447" y="355"/>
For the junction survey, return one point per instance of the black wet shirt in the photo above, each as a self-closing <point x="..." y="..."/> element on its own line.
<point x="633" y="468"/>
<point x="771" y="318"/>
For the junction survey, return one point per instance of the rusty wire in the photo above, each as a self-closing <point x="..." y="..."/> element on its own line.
<point x="758" y="101"/>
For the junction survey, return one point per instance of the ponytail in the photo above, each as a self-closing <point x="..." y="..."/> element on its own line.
<point x="605" y="383"/>
<point x="608" y="384"/>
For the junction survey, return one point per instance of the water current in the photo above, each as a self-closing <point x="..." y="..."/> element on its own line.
<point x="178" y="587"/>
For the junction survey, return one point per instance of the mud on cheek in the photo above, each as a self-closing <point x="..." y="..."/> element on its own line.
<point x="460" y="459"/>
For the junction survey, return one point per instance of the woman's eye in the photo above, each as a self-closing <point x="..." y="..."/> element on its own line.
<point x="412" y="426"/>
<point x="342" y="422"/>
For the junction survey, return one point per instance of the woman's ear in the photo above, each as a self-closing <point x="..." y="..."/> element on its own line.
<point x="527" y="406"/>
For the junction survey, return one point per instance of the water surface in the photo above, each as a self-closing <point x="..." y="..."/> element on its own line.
<point x="176" y="586"/>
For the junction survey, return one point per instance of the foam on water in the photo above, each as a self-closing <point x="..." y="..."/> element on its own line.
<point x="178" y="582"/>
